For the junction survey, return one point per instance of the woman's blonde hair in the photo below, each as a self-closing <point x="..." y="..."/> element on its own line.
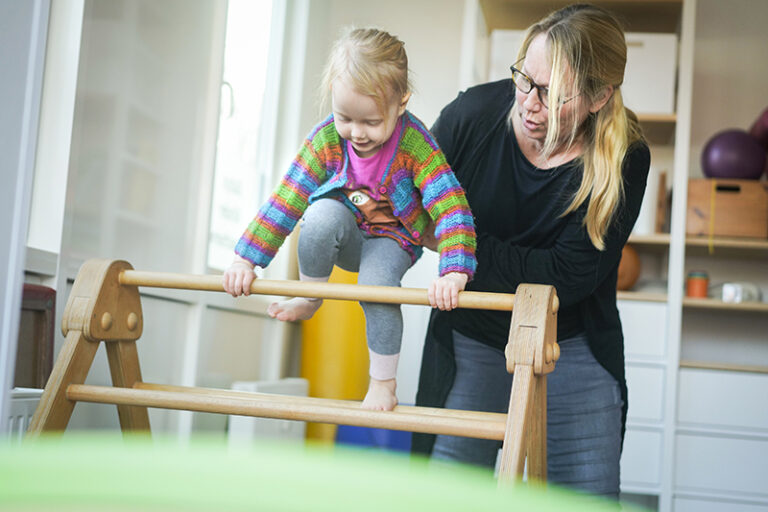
<point x="374" y="62"/>
<point x="589" y="53"/>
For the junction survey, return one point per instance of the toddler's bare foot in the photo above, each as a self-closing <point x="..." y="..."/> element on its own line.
<point x="381" y="395"/>
<point x="291" y="310"/>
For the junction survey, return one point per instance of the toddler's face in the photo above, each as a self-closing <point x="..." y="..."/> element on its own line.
<point x="359" y="120"/>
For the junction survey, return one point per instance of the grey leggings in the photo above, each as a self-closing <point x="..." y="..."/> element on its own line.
<point x="583" y="413"/>
<point x="330" y="236"/>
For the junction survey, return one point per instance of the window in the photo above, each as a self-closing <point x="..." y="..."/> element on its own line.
<point x="241" y="171"/>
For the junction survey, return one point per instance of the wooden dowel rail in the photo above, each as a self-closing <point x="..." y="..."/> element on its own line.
<point x="348" y="404"/>
<point x="320" y="410"/>
<point x="104" y="306"/>
<point x="383" y="294"/>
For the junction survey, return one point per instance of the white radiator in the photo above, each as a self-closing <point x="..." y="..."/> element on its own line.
<point x="23" y="404"/>
<point x="246" y="429"/>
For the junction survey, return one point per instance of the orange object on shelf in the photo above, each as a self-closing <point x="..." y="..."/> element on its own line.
<point x="697" y="284"/>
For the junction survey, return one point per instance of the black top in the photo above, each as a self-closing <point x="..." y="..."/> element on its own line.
<point x="522" y="237"/>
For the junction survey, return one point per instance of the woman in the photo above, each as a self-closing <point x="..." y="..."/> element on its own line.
<point x="554" y="168"/>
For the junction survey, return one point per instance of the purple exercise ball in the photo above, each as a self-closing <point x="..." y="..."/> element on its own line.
<point x="759" y="129"/>
<point x="733" y="154"/>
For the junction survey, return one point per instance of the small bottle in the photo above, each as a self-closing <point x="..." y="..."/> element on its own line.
<point x="696" y="285"/>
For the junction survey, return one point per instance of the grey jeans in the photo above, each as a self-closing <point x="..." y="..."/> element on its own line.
<point x="330" y="236"/>
<point x="583" y="413"/>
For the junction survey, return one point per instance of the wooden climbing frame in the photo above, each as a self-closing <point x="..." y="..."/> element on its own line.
<point x="105" y="305"/>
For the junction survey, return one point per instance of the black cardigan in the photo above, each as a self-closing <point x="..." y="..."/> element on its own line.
<point x="522" y="238"/>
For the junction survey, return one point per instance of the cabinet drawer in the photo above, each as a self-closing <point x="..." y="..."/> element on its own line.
<point x="723" y="398"/>
<point x="641" y="458"/>
<point x="721" y="464"/>
<point x="709" y="505"/>
<point x="645" y="328"/>
<point x="646" y="392"/>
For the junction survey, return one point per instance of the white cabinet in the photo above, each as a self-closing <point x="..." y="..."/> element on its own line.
<point x="721" y="447"/>
<point x="712" y="505"/>
<point x="646" y="392"/>
<point x="644" y="324"/>
<point x="722" y="464"/>
<point x="723" y="400"/>
<point x="641" y="460"/>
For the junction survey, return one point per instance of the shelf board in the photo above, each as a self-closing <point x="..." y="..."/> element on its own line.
<point x="658" y="128"/>
<point x="699" y="245"/>
<point x="757" y="307"/>
<point x="637" y="15"/>
<point x="659" y="239"/>
<point x="642" y="296"/>
<point x="738" y="243"/>
<point x="729" y="367"/>
<point x="657" y="118"/>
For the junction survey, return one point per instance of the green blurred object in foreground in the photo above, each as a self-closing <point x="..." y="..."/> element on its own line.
<point x="88" y="474"/>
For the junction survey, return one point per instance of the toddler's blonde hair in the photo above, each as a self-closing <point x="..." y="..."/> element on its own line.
<point x="374" y="62"/>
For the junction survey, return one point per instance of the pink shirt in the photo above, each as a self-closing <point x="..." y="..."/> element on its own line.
<point x="367" y="173"/>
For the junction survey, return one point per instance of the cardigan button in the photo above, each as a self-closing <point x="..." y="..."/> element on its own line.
<point x="416" y="234"/>
<point x="382" y="190"/>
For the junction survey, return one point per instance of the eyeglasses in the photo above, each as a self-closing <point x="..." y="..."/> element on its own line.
<point x="525" y="85"/>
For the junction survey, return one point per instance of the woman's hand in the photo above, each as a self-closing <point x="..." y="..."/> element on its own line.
<point x="238" y="277"/>
<point x="444" y="291"/>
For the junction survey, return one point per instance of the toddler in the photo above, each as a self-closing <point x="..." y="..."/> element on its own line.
<point x="371" y="187"/>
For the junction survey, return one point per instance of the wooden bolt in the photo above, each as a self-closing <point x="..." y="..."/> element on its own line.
<point x="556" y="354"/>
<point x="132" y="321"/>
<point x="549" y="354"/>
<point x="106" y="321"/>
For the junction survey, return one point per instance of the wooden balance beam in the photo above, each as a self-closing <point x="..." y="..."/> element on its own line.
<point x="105" y="305"/>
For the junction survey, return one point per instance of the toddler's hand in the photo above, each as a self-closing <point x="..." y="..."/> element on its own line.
<point x="238" y="277"/>
<point x="444" y="291"/>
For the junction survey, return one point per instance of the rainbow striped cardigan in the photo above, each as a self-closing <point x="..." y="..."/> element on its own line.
<point x="418" y="183"/>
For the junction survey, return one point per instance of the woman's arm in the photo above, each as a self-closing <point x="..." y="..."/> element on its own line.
<point x="277" y="218"/>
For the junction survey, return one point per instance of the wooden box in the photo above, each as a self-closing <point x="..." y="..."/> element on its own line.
<point x="737" y="208"/>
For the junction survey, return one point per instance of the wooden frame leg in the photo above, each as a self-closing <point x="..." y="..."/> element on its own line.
<point x="123" y="360"/>
<point x="537" y="438"/>
<point x="531" y="353"/>
<point x="518" y="424"/>
<point x="72" y="365"/>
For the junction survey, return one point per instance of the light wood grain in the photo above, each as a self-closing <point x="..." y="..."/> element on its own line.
<point x="72" y="365"/>
<point x="512" y="461"/>
<point x="726" y="367"/>
<point x="537" y="439"/>
<point x="105" y="305"/>
<point x="531" y="354"/>
<point x="440" y="421"/>
<point x="639" y="15"/>
<point x="123" y="361"/>
<point x="492" y="417"/>
<point x="383" y="294"/>
<point x="755" y="307"/>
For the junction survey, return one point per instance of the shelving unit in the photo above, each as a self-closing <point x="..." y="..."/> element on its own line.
<point x="697" y="369"/>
